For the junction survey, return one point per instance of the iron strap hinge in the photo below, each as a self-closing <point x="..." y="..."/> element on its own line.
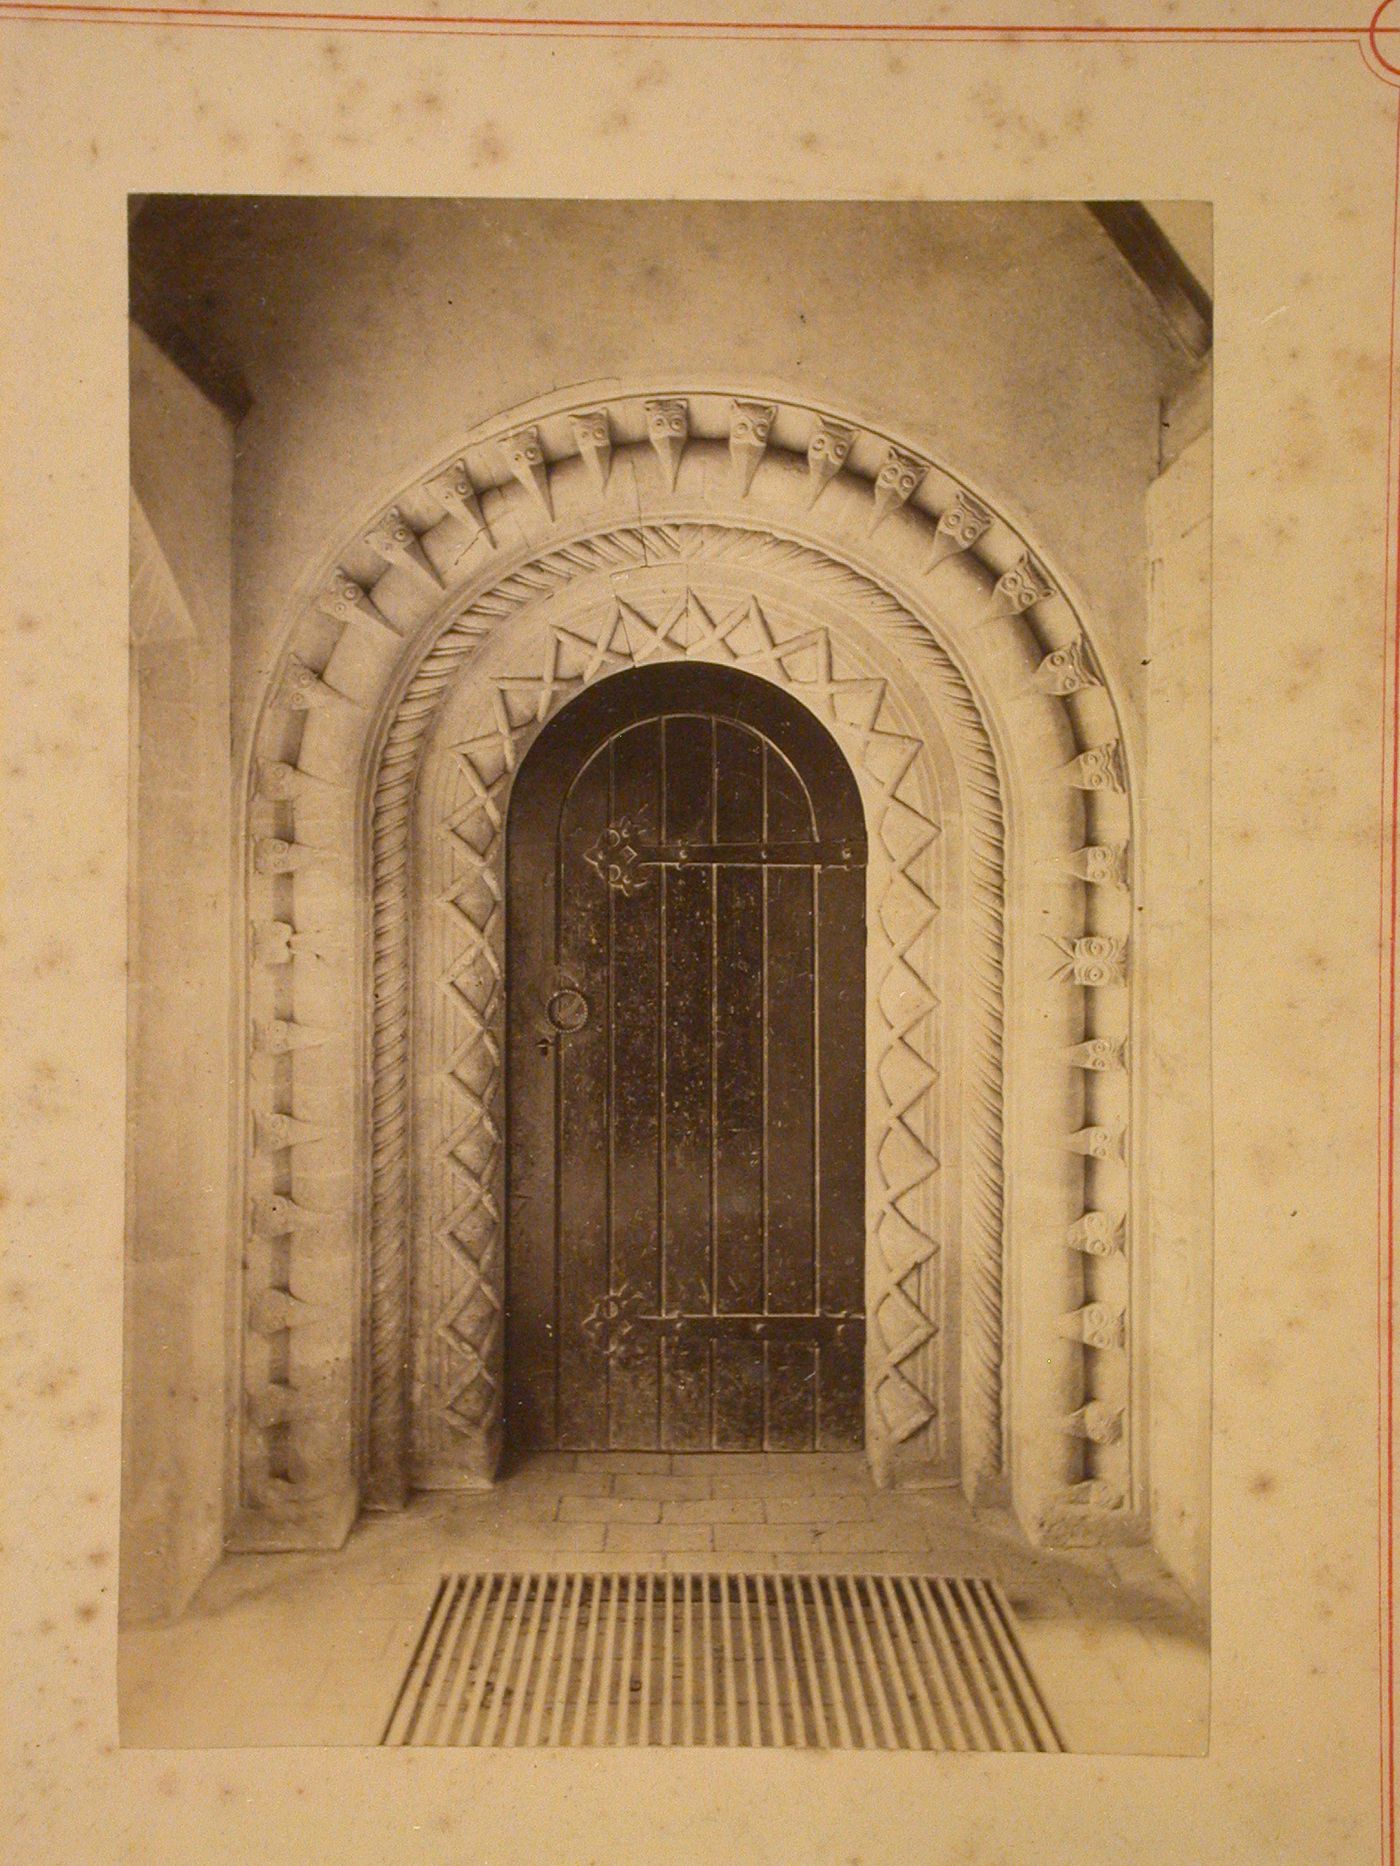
<point x="618" y="1320"/>
<point x="847" y="853"/>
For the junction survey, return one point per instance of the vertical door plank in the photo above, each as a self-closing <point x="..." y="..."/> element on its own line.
<point x="841" y="1148"/>
<point x="687" y="963"/>
<point x="582" y="1079"/>
<point x="636" y="1088"/>
<point x="791" y="1150"/>
<point x="530" y="1162"/>
<point x="738" y="999"/>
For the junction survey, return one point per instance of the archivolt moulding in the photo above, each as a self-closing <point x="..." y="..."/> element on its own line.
<point x="866" y="524"/>
<point x="690" y="594"/>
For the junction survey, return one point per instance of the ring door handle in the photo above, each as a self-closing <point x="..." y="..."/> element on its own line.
<point x="566" y="1010"/>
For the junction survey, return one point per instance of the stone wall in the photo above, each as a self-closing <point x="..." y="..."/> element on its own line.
<point x="1175" y="1012"/>
<point x="179" y="967"/>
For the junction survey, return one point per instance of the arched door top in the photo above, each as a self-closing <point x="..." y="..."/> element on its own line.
<point x="673" y="688"/>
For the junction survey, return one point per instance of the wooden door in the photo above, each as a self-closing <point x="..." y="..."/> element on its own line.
<point x="686" y="1019"/>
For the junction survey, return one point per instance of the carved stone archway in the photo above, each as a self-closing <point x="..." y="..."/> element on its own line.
<point x="917" y="622"/>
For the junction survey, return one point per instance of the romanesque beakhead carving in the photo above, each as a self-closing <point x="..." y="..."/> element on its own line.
<point x="344" y="600"/>
<point x="1097" y="1325"/>
<point x="895" y="483"/>
<point x="272" y="942"/>
<point x="1103" y="864"/>
<point x="1020" y="588"/>
<point x="1099" y="1143"/>
<point x="1067" y="670"/>
<point x="1099" y="1423"/>
<point x="274" y="1311"/>
<point x="277" y="1403"/>
<point x="668" y="429"/>
<point x="1097" y="1234"/>
<point x="277" y="1131"/>
<point x="395" y="540"/>
<point x="1098" y="1053"/>
<point x="275" y="1216"/>
<point x="1096" y="1493"/>
<point x="750" y="424"/>
<point x="303" y="690"/>
<point x="525" y="458"/>
<point x="279" y="1036"/>
<point x="280" y="782"/>
<point x="276" y="941"/>
<point x="827" y="452"/>
<point x="455" y="493"/>
<point x="593" y="438"/>
<point x="1095" y="959"/>
<point x="1100" y="768"/>
<point x="275" y="855"/>
<point x="962" y="525"/>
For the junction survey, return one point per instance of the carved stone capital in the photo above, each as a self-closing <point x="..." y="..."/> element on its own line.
<point x="1067" y="670"/>
<point x="1094" y="959"/>
<point x="963" y="524"/>
<point x="750" y="424"/>
<point x="1100" y="768"/>
<point x="525" y="458"/>
<point x="395" y="540"/>
<point x="895" y="483"/>
<point x="668" y="430"/>
<point x="1103" y="864"/>
<point x="1097" y="1325"/>
<point x="593" y="438"/>
<point x="1097" y="1234"/>
<point x="827" y="452"/>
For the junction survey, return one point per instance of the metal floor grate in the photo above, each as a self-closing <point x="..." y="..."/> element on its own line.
<point x="821" y="1661"/>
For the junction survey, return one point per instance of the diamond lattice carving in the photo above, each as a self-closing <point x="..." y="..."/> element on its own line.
<point x="855" y="706"/>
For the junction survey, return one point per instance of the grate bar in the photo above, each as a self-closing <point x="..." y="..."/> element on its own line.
<point x="566" y="1663"/>
<point x="616" y="1660"/>
<point x="777" y="1734"/>
<point x="454" y="1663"/>
<point x="907" y="1663"/>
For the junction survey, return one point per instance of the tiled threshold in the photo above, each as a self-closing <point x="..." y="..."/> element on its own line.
<point x="309" y="1648"/>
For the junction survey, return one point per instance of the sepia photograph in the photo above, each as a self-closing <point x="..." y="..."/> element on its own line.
<point x="669" y="1115"/>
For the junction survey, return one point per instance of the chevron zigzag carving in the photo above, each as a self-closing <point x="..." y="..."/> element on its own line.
<point x="466" y="1223"/>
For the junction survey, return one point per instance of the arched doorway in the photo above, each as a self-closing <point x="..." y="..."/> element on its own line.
<point x="957" y="678"/>
<point x="686" y="1041"/>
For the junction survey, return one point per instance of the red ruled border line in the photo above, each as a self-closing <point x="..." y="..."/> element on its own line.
<point x="955" y="33"/>
<point x="1386" y="1136"/>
